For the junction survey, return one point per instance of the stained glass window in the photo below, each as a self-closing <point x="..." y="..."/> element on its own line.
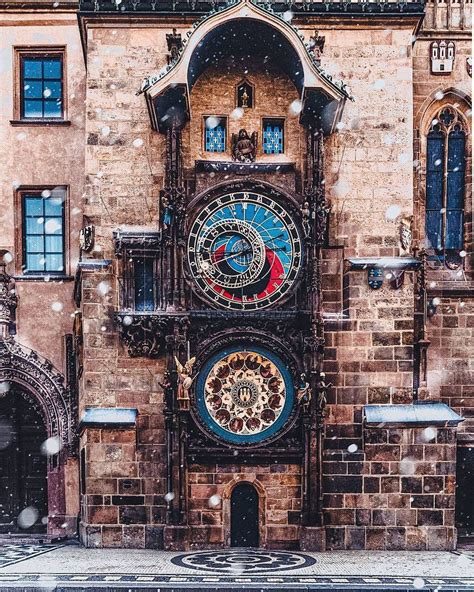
<point x="43" y="232"/>
<point x="273" y="136"/>
<point x="445" y="182"/>
<point x="41" y="87"/>
<point x="215" y="134"/>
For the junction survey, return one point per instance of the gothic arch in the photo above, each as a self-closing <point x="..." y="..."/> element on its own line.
<point x="42" y="381"/>
<point x="226" y="506"/>
<point x="439" y="99"/>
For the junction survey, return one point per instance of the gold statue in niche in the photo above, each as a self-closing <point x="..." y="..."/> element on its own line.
<point x="245" y="95"/>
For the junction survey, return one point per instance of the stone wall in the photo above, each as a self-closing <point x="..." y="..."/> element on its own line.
<point x="396" y="493"/>
<point x="210" y="489"/>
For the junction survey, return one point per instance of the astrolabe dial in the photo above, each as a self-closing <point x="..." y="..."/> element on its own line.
<point x="244" y="251"/>
<point x="244" y="395"/>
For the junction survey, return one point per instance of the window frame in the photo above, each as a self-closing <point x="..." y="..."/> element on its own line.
<point x="20" y="227"/>
<point x="281" y="120"/>
<point x="226" y="128"/>
<point x="42" y="52"/>
<point x="129" y="286"/>
<point x="438" y="128"/>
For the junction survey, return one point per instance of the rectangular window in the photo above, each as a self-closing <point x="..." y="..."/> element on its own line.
<point x="41" y="78"/>
<point x="215" y="134"/>
<point x="273" y="136"/>
<point x="144" y="279"/>
<point x="43" y="231"/>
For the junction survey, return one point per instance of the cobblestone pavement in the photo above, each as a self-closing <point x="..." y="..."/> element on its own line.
<point x="73" y="568"/>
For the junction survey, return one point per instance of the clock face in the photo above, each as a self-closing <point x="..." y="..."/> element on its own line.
<point x="244" y="251"/>
<point x="244" y="395"/>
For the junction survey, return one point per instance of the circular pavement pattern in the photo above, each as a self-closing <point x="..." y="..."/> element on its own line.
<point x="243" y="561"/>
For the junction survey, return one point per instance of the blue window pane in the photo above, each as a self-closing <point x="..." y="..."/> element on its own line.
<point x="215" y="137"/>
<point x="54" y="263"/>
<point x="52" y="109"/>
<point x="456" y="142"/>
<point x="53" y="206"/>
<point x="35" y="262"/>
<point x="33" y="109"/>
<point x="454" y="229"/>
<point x="52" y="89"/>
<point x="52" y="68"/>
<point x="33" y="89"/>
<point x="53" y="226"/>
<point x="144" y="280"/>
<point x="32" y="68"/>
<point x="34" y="244"/>
<point x="273" y="138"/>
<point x="434" y="220"/>
<point x="42" y="88"/>
<point x="456" y="168"/>
<point x="34" y="206"/>
<point x="54" y="244"/>
<point x="34" y="226"/>
<point x="434" y="172"/>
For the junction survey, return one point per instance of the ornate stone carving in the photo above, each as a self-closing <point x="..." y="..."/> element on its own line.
<point x="244" y="147"/>
<point x="86" y="238"/>
<point x="175" y="44"/>
<point x="37" y="375"/>
<point x="316" y="46"/>
<point x="143" y="334"/>
<point x="8" y="300"/>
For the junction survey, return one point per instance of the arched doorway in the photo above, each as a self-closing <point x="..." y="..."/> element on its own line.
<point x="244" y="527"/>
<point x="23" y="467"/>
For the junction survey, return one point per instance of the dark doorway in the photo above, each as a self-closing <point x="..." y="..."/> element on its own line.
<point x="23" y="467"/>
<point x="464" y="492"/>
<point x="244" y="516"/>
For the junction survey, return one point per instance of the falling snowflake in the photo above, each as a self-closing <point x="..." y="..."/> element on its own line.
<point x="127" y="320"/>
<point x="21" y="136"/>
<point x="429" y="434"/>
<point x="439" y="95"/>
<point x="296" y="107"/>
<point x="214" y="501"/>
<point x="103" y="288"/>
<point x="51" y="446"/>
<point x="105" y="131"/>
<point x="169" y="496"/>
<point x="237" y="113"/>
<point x="46" y="193"/>
<point x="8" y="257"/>
<point x="27" y="517"/>
<point x="138" y="142"/>
<point x="392" y="212"/>
<point x="52" y="226"/>
<point x="418" y="583"/>
<point x="287" y="16"/>
<point x="57" y="306"/>
<point x="407" y="466"/>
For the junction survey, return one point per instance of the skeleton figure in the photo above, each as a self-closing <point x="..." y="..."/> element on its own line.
<point x="244" y="147"/>
<point x="304" y="392"/>
<point x="323" y="388"/>
<point x="185" y="380"/>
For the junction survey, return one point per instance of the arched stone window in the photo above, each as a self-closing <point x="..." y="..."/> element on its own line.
<point x="445" y="181"/>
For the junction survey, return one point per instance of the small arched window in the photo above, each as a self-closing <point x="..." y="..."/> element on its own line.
<point x="445" y="181"/>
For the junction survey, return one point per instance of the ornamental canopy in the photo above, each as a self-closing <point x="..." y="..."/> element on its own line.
<point x="244" y="27"/>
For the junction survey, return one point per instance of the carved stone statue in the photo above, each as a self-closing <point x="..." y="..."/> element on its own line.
<point x="244" y="147"/>
<point x="185" y="380"/>
<point x="304" y="392"/>
<point x="323" y="388"/>
<point x="405" y="236"/>
<point x="168" y="390"/>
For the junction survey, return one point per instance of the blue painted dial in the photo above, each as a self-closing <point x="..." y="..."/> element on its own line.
<point x="244" y="251"/>
<point x="244" y="394"/>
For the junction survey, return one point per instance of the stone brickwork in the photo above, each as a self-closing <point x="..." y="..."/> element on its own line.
<point x="450" y="372"/>
<point x="397" y="493"/>
<point x="279" y="486"/>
